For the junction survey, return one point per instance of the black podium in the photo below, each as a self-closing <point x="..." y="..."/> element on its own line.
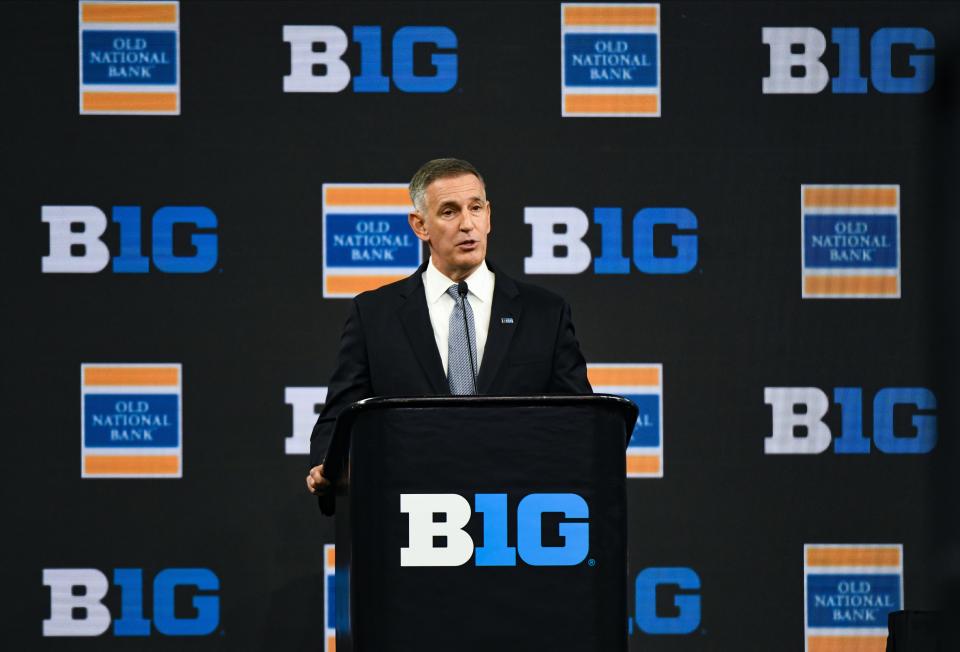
<point x="481" y="523"/>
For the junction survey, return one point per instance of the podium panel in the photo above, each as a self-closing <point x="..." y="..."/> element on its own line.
<point x="468" y="523"/>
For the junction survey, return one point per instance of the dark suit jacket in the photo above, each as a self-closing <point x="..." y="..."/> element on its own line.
<point x="388" y="349"/>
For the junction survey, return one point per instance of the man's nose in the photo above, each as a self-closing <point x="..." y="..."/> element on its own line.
<point x="466" y="223"/>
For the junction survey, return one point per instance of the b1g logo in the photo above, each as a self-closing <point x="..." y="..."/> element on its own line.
<point x="803" y="409"/>
<point x="77" y="608"/>
<point x="799" y="49"/>
<point x="322" y="69"/>
<point x="77" y="247"/>
<point x="494" y="551"/>
<point x="558" y="246"/>
<point x="683" y="585"/>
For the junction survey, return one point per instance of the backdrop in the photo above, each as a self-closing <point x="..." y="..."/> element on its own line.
<point x="751" y="208"/>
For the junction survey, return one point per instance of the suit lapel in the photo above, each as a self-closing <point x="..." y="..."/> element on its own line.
<point x="419" y="331"/>
<point x="504" y="320"/>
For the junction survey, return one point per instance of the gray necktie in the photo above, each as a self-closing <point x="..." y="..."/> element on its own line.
<point x="459" y="372"/>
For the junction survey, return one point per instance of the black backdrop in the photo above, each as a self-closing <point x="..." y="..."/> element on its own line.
<point x="257" y="322"/>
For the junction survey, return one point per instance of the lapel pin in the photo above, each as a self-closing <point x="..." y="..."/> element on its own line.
<point x="506" y="320"/>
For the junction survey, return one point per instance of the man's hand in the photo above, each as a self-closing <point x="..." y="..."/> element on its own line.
<point x="316" y="483"/>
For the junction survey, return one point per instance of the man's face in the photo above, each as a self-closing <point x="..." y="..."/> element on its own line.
<point x="455" y="224"/>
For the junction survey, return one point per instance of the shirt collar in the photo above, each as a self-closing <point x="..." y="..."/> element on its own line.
<point x="435" y="283"/>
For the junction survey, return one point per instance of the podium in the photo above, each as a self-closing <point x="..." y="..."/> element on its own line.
<point x="481" y="523"/>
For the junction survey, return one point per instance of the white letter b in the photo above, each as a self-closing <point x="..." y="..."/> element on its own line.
<point x="303" y="58"/>
<point x="61" y="219"/>
<point x="62" y="602"/>
<point x="423" y="529"/>
<point x="781" y="39"/>
<point x="783" y="439"/>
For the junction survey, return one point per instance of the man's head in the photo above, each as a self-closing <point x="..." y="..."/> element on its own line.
<point x="451" y="214"/>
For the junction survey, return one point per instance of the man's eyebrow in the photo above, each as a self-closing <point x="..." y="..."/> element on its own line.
<point x="453" y="203"/>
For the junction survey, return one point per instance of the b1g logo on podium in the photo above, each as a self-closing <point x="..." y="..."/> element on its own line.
<point x="77" y="246"/>
<point x="802" y="409"/>
<point x="77" y="602"/>
<point x="642" y="384"/>
<point x="851" y="241"/>
<point x="424" y="532"/>
<point x="799" y="49"/>
<point x="665" y="241"/>
<point x="367" y="241"/>
<point x="848" y="592"/>
<point x="317" y="65"/>
<point x="131" y="423"/>
<point x="610" y="60"/>
<point x="130" y="58"/>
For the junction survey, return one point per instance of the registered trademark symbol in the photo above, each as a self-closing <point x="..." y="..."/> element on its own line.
<point x="591" y="562"/>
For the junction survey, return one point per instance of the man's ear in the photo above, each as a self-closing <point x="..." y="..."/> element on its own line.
<point x="419" y="226"/>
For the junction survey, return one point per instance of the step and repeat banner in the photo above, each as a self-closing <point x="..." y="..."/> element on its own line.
<point x="749" y="207"/>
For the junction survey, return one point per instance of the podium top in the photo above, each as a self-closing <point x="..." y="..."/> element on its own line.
<point x="339" y="448"/>
<point x="340" y="443"/>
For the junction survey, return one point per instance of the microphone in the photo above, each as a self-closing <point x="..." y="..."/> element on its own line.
<point x="462" y="289"/>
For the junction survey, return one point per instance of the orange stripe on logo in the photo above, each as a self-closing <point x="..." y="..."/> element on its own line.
<point x="853" y="557"/>
<point x="643" y="463"/>
<point x="158" y="376"/>
<point x="357" y="284"/>
<point x="867" y="197"/>
<point x="104" y="101"/>
<point x="331" y="556"/>
<point x="610" y="103"/>
<point x="134" y="464"/>
<point x="133" y="12"/>
<point x="610" y="15"/>
<point x="331" y="644"/>
<point x="607" y="376"/>
<point x="849" y="285"/>
<point x="846" y="643"/>
<point x="367" y="197"/>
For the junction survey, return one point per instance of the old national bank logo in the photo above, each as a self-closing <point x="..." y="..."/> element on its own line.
<point x="851" y="241"/>
<point x="367" y="241"/>
<point x="848" y="592"/>
<point x="642" y="384"/>
<point x="130" y="58"/>
<point x="131" y="421"/>
<point x="610" y="60"/>
<point x="329" y="597"/>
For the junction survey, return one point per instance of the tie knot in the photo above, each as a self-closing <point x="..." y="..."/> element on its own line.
<point x="454" y="291"/>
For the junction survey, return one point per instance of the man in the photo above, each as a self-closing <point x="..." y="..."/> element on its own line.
<point x="430" y="334"/>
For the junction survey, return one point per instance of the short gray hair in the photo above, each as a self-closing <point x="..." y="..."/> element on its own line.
<point x="438" y="168"/>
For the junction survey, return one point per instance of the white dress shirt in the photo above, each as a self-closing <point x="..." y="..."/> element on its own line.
<point x="440" y="305"/>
